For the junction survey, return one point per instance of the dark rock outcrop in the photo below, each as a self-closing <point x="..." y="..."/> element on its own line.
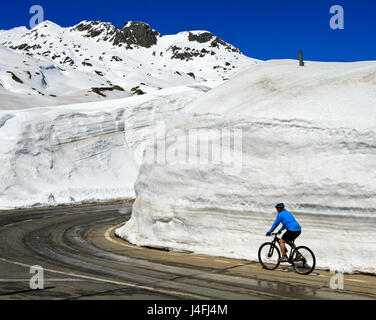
<point x="95" y="28"/>
<point x="204" y="37"/>
<point x="99" y="91"/>
<point x="133" y="33"/>
<point x="14" y="77"/>
<point x="201" y="37"/>
<point x="137" y="91"/>
<point x="138" y="34"/>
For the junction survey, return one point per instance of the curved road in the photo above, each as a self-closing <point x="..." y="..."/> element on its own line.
<point x="82" y="259"/>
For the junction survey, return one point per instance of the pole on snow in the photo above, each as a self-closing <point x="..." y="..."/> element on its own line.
<point x="301" y="62"/>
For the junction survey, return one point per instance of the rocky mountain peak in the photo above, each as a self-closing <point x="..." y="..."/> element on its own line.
<point x="93" y="29"/>
<point x="47" y="24"/>
<point x="206" y="36"/>
<point x="200" y="36"/>
<point x="132" y="34"/>
<point x="138" y="34"/>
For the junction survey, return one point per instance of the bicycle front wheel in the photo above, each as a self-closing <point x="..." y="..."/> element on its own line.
<point x="269" y="255"/>
<point x="303" y="260"/>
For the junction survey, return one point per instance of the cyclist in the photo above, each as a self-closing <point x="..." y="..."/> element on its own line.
<point x="289" y="223"/>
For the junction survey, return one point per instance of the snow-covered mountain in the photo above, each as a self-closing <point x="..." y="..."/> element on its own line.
<point x="302" y="136"/>
<point x="50" y="65"/>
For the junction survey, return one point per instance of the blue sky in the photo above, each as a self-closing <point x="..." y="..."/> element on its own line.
<point x="263" y="29"/>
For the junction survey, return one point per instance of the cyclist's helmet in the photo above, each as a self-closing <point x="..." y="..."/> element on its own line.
<point x="280" y="206"/>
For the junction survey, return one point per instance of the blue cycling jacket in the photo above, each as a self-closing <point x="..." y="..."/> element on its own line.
<point x="288" y="222"/>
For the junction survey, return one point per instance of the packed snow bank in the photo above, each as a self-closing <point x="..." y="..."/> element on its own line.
<point x="82" y="152"/>
<point x="303" y="136"/>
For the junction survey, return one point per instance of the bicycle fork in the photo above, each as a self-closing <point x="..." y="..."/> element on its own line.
<point x="271" y="251"/>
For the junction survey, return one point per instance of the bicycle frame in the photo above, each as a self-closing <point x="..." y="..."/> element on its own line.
<point x="276" y="239"/>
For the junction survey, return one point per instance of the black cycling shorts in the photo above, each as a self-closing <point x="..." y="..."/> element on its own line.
<point x="291" y="235"/>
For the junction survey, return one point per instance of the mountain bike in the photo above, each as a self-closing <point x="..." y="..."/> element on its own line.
<point x="301" y="258"/>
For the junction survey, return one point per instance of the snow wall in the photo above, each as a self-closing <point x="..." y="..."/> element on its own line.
<point x="82" y="152"/>
<point x="304" y="136"/>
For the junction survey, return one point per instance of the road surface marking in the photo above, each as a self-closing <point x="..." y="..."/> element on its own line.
<point x="222" y="261"/>
<point x="122" y="242"/>
<point x="122" y="283"/>
<point x="46" y="280"/>
<point x="356" y="280"/>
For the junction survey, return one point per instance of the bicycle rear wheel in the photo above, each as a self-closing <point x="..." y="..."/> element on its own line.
<point x="303" y="260"/>
<point x="268" y="256"/>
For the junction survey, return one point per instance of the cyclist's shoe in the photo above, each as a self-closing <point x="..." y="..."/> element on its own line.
<point x="283" y="259"/>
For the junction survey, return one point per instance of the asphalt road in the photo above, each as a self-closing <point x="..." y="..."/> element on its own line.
<point x="82" y="259"/>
